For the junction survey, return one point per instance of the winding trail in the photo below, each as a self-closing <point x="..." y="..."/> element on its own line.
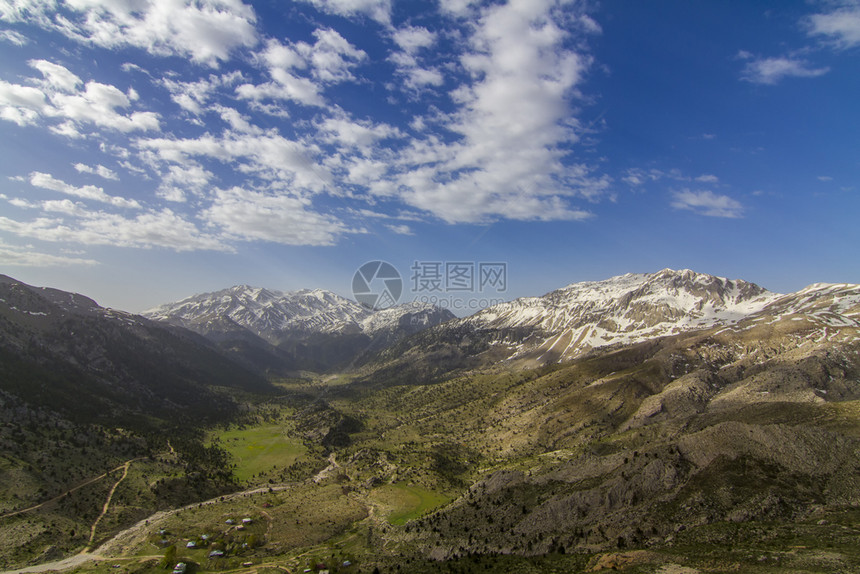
<point x="105" y="508"/>
<point x="71" y="490"/>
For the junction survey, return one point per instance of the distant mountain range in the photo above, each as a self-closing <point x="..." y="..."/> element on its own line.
<point x="580" y="318"/>
<point x="308" y="329"/>
<point x="171" y="357"/>
<point x="625" y="309"/>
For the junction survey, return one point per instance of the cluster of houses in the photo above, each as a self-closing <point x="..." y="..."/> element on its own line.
<point x="182" y="567"/>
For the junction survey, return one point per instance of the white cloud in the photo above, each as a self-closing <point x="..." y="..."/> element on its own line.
<point x="56" y="76"/>
<point x="637" y="176"/>
<point x="98" y="170"/>
<point x="269" y="156"/>
<point x="513" y="120"/>
<point x="707" y="203"/>
<point x="329" y="60"/>
<point x="151" y="229"/>
<point x="204" y="30"/>
<point x="189" y="177"/>
<point x="47" y="181"/>
<point x="15" y="256"/>
<point x="359" y="135"/>
<point x="21" y="104"/>
<point x="237" y="121"/>
<point x="841" y="27"/>
<point x="771" y="71"/>
<point x="413" y="38"/>
<point x="194" y="96"/>
<point x="285" y="87"/>
<point x="401" y="229"/>
<point x="280" y="218"/>
<point x="331" y="56"/>
<point x="458" y="7"/>
<point x="708" y="178"/>
<point x="379" y="10"/>
<point x="97" y="105"/>
<point x="13" y="37"/>
<point x="60" y="96"/>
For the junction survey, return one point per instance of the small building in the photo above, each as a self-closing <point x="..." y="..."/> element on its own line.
<point x="230" y="521"/>
<point x="180" y="568"/>
<point x="191" y="544"/>
<point x="247" y="521"/>
<point x="216" y="554"/>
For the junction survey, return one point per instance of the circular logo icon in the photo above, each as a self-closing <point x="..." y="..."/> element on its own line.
<point x="377" y="285"/>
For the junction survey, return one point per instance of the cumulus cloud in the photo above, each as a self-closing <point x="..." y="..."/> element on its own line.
<point x="269" y="156"/>
<point x="498" y="145"/>
<point x="412" y="40"/>
<point x="707" y="203"/>
<point x="15" y="256"/>
<point x="162" y="228"/>
<point x="47" y="181"/>
<point x="62" y="95"/>
<point x="300" y="70"/>
<point x="21" y="105"/>
<point x="195" y="96"/>
<point x="513" y="119"/>
<point x="279" y="218"/>
<point x="358" y="135"/>
<point x="206" y="31"/>
<point x="379" y="10"/>
<point x="401" y="229"/>
<point x="98" y="170"/>
<point x="839" y="27"/>
<point x="771" y="71"/>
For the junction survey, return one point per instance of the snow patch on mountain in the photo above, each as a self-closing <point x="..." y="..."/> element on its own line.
<point x="624" y="309"/>
<point x="274" y="314"/>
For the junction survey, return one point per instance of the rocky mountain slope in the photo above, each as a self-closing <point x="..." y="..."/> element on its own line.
<point x="62" y="351"/>
<point x="307" y="329"/>
<point x="685" y="439"/>
<point x="571" y="321"/>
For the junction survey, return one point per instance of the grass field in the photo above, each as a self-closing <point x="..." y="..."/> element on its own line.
<point x="260" y="449"/>
<point x="407" y="502"/>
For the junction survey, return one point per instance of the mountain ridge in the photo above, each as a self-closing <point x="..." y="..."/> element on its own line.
<point x="65" y="351"/>
<point x="312" y="329"/>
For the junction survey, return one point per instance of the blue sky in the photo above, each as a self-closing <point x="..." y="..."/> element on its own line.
<point x="152" y="149"/>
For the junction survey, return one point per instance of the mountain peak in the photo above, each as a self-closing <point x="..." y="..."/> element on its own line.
<point x="289" y="321"/>
<point x="623" y="309"/>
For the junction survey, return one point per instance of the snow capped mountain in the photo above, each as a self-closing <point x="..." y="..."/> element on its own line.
<point x="833" y="304"/>
<point x="273" y="314"/>
<point x="624" y="309"/>
<point x="264" y="312"/>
